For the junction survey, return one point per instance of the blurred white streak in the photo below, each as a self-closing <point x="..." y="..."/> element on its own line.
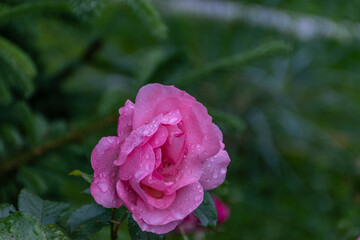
<point x="302" y="26"/>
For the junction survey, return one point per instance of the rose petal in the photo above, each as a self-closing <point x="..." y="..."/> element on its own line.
<point x="173" y="149"/>
<point x="222" y="209"/>
<point x="143" y="134"/>
<point x="125" y="120"/>
<point x="130" y="166"/>
<point x="159" y="138"/>
<point x="158" y="229"/>
<point x="214" y="170"/>
<point x="187" y="200"/>
<point x="156" y="181"/>
<point x="218" y="132"/>
<point x="189" y="171"/>
<point x="161" y="203"/>
<point x="154" y="99"/>
<point x="126" y="194"/>
<point x="201" y="131"/>
<point x="105" y="173"/>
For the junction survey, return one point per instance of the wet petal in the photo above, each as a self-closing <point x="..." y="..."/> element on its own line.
<point x="154" y="99"/>
<point x="126" y="194"/>
<point x="103" y="186"/>
<point x="158" y="229"/>
<point x="187" y="200"/>
<point x="130" y="166"/>
<point x="159" y="138"/>
<point x="214" y="170"/>
<point x="125" y="120"/>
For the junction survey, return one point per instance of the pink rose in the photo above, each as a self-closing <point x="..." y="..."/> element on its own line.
<point x="166" y="152"/>
<point x="191" y="223"/>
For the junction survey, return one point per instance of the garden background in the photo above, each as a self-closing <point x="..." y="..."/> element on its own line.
<point x="280" y="78"/>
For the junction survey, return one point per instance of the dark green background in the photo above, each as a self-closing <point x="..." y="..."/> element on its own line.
<point x="291" y="119"/>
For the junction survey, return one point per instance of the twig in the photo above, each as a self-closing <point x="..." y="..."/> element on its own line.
<point x="25" y="158"/>
<point x="114" y="232"/>
<point x="183" y="234"/>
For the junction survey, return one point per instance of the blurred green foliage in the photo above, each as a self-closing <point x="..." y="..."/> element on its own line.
<point x="291" y="119"/>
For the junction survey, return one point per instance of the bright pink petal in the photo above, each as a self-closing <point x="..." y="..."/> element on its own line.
<point x="130" y="166"/>
<point x="200" y="130"/>
<point x="159" y="138"/>
<point x="186" y="201"/>
<point x="144" y="133"/>
<point x="161" y="203"/>
<point x="127" y="194"/>
<point x="222" y="209"/>
<point x="125" y="120"/>
<point x="158" y="229"/>
<point x="103" y="186"/>
<point x="154" y="99"/>
<point x="156" y="181"/>
<point x="173" y="148"/>
<point x="214" y="170"/>
<point x="189" y="171"/>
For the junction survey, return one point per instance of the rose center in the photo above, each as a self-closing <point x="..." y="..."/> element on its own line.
<point x="152" y="192"/>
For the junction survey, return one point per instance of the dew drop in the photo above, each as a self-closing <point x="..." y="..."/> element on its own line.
<point x="223" y="170"/>
<point x="197" y="197"/>
<point x="103" y="186"/>
<point x="147" y="167"/>
<point x="215" y="175"/>
<point x="172" y="120"/>
<point x="137" y="174"/>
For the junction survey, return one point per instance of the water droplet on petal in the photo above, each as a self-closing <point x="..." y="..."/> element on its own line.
<point x="197" y="197"/>
<point x="223" y="170"/>
<point x="215" y="175"/>
<point x="103" y="186"/>
<point x="147" y="167"/>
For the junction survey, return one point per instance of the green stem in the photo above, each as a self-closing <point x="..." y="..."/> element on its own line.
<point x="183" y="234"/>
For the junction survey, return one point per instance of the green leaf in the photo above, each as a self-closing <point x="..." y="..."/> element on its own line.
<point x="206" y="212"/>
<point x="5" y="95"/>
<point x="6" y="209"/>
<point x="19" y="68"/>
<point x="149" y="16"/>
<point x="20" y="225"/>
<point x="11" y="136"/>
<point x="54" y="232"/>
<point x="137" y="234"/>
<point x="88" y="219"/>
<point x="46" y="211"/>
<point x="85" y="176"/>
<point x="29" y="122"/>
<point x="31" y="8"/>
<point x="229" y="62"/>
<point x="32" y="180"/>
